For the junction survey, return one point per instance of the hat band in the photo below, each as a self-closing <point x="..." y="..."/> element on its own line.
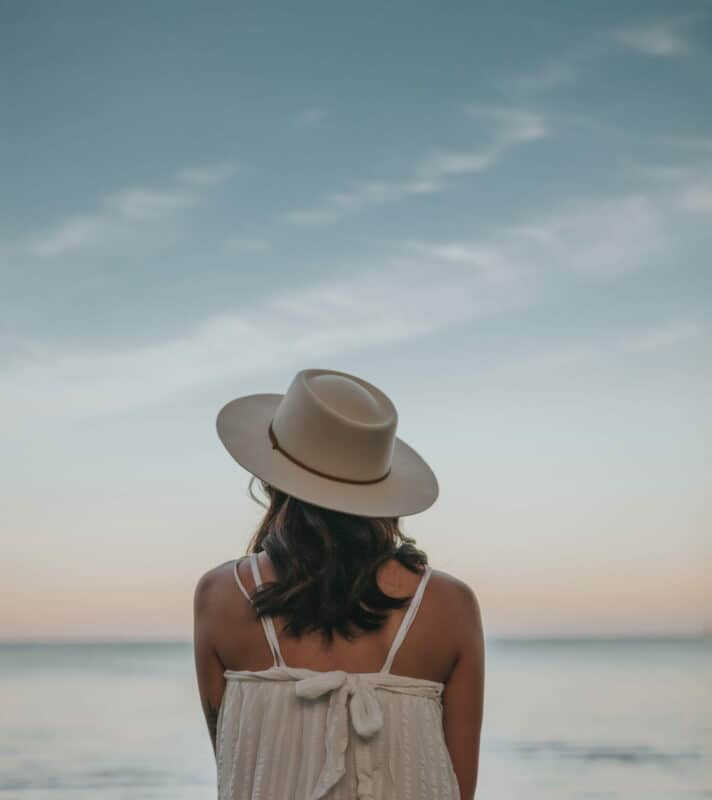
<point x="276" y="446"/>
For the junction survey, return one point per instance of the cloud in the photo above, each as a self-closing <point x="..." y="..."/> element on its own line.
<point x="208" y="175"/>
<point x="241" y="244"/>
<point x="144" y="205"/>
<point x="598" y="240"/>
<point x="661" y="38"/>
<point x="428" y="176"/>
<point x="601" y="240"/>
<point x="360" y="195"/>
<point x="547" y="77"/>
<point x="71" y="234"/>
<point x="665" y="172"/>
<point x="446" y="164"/>
<point x="698" y="197"/>
<point x="118" y="213"/>
<point x="689" y="185"/>
<point x="662" y="336"/>
<point x="689" y="142"/>
<point x="438" y="285"/>
<point x="296" y="325"/>
<point x="432" y="172"/>
<point x="605" y="240"/>
<point x="561" y="69"/>
<point x="514" y="125"/>
<point x="548" y="359"/>
<point x="310" y="117"/>
<point x="542" y="361"/>
<point x="493" y="261"/>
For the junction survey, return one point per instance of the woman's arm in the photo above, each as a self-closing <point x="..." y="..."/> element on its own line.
<point x="463" y="696"/>
<point x="209" y="669"/>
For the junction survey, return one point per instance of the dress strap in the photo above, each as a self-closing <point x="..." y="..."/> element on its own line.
<point x="407" y="619"/>
<point x="266" y="619"/>
<point x="237" y="577"/>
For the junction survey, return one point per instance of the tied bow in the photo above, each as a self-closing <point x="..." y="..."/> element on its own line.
<point x="353" y="697"/>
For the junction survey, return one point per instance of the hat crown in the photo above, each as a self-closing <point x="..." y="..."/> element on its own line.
<point x="346" y="396"/>
<point x="337" y="424"/>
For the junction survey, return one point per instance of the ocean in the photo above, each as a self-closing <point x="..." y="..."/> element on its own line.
<point x="587" y="719"/>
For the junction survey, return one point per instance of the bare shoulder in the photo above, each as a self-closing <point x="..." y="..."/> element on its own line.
<point x="213" y="586"/>
<point x="460" y="612"/>
<point x="460" y="600"/>
<point x="451" y="622"/>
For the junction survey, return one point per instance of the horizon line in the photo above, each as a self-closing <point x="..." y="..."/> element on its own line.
<point x="523" y="638"/>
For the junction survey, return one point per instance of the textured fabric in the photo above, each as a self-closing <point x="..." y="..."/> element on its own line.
<point x="289" y="733"/>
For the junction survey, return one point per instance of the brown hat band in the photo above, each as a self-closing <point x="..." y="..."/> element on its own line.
<point x="276" y="446"/>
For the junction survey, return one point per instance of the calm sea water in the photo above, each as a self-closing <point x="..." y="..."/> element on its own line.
<point x="598" y="720"/>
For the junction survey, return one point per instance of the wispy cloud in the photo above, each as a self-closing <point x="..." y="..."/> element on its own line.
<point x="310" y="117"/>
<point x="542" y="361"/>
<point x="698" y="197"/>
<point x="432" y="172"/>
<point x="118" y="213"/>
<point x="667" y="37"/>
<point x="144" y="205"/>
<point x="660" y="38"/>
<point x="599" y="240"/>
<point x="688" y="184"/>
<point x="559" y="69"/>
<point x="548" y="76"/>
<point x="604" y="240"/>
<point x="330" y="317"/>
<point x="513" y="125"/>
<point x="493" y="261"/>
<point x="665" y="173"/>
<point x="209" y="174"/>
<point x="73" y="233"/>
<point x="357" y="196"/>
<point x="663" y="335"/>
<point x="439" y="284"/>
<point x="245" y="244"/>
<point x="699" y="143"/>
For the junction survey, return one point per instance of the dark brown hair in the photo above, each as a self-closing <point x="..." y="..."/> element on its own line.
<point x="326" y="564"/>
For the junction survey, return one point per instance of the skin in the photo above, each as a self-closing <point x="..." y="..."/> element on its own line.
<point x="445" y="643"/>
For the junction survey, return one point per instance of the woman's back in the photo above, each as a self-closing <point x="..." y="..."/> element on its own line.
<point x="361" y="719"/>
<point x="430" y="650"/>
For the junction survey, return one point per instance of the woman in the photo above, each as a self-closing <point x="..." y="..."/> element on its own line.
<point x="333" y="661"/>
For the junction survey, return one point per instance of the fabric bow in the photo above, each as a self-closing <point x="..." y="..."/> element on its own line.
<point x="353" y="697"/>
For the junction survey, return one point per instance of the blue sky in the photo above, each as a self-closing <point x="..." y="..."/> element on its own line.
<point x="499" y="215"/>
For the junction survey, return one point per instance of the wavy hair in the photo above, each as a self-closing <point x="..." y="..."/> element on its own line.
<point x="326" y="564"/>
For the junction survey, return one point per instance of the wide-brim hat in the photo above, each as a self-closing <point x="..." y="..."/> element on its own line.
<point x="331" y="441"/>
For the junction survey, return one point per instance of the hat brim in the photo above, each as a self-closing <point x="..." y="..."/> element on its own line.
<point x="409" y="488"/>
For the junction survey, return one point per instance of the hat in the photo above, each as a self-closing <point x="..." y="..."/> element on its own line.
<point x="331" y="441"/>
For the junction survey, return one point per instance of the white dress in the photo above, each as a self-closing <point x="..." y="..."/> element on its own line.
<point x="290" y="733"/>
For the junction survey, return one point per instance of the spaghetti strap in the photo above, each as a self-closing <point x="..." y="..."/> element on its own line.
<point x="237" y="577"/>
<point x="407" y="619"/>
<point x="266" y="619"/>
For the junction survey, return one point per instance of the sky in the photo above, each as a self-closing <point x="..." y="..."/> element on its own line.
<point x="499" y="214"/>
